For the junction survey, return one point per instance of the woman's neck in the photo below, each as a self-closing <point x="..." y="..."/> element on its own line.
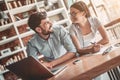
<point x="83" y="23"/>
<point x="85" y="26"/>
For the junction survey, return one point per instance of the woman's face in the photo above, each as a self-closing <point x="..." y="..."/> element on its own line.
<point x="76" y="16"/>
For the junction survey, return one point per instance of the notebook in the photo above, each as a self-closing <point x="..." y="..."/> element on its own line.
<point x="31" y="69"/>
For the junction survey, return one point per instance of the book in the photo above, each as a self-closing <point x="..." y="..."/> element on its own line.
<point x="19" y="3"/>
<point x="15" y="4"/>
<point x="10" y="6"/>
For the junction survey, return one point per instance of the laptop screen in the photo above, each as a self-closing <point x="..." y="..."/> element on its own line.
<point x="30" y="69"/>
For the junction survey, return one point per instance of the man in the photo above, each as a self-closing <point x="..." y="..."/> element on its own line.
<point x="52" y="41"/>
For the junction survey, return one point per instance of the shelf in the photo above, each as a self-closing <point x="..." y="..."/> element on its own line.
<point x="22" y="9"/>
<point x="21" y="22"/>
<point x="54" y="12"/>
<point x="10" y="0"/>
<point x="62" y="21"/>
<point x="31" y="32"/>
<point x="40" y="4"/>
<point x="2" y="42"/>
<point x="4" y="27"/>
<point x="14" y="52"/>
<point x="6" y="11"/>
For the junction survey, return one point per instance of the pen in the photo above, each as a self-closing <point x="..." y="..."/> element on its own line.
<point x="93" y="43"/>
<point x="76" y="61"/>
<point x="107" y="50"/>
<point x="104" y="53"/>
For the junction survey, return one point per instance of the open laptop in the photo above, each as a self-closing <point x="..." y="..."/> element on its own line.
<point x="31" y="69"/>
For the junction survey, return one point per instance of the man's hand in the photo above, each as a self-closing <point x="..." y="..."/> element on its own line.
<point x="62" y="59"/>
<point x="48" y="64"/>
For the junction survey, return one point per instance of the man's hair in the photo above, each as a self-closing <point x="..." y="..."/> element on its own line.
<point x="35" y="19"/>
<point x="81" y="6"/>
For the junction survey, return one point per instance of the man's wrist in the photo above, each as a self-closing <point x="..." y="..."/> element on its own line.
<point x="52" y="64"/>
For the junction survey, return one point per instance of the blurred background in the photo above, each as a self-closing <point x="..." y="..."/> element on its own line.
<point x="105" y="10"/>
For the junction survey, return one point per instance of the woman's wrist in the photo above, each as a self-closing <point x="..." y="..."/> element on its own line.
<point x="90" y="50"/>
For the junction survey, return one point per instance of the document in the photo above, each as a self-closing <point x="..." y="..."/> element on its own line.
<point x="106" y="49"/>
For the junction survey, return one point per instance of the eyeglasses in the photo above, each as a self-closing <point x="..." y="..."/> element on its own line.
<point x="73" y="14"/>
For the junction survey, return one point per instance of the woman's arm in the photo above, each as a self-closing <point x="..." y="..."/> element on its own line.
<point x="85" y="50"/>
<point x="103" y="33"/>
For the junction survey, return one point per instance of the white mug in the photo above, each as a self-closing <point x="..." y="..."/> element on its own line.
<point x="4" y="37"/>
<point x="17" y="47"/>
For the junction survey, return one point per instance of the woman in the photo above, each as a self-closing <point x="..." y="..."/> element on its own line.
<point x="83" y="31"/>
<point x="84" y="28"/>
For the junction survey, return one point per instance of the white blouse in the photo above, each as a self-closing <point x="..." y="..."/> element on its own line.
<point x="86" y="39"/>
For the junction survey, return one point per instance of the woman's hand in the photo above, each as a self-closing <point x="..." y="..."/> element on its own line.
<point x="95" y="48"/>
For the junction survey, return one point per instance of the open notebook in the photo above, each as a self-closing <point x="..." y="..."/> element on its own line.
<point x="106" y="49"/>
<point x="31" y="69"/>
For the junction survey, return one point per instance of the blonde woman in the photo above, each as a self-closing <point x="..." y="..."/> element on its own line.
<point x="84" y="29"/>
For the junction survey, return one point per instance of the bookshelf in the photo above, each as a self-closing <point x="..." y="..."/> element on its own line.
<point x="15" y="33"/>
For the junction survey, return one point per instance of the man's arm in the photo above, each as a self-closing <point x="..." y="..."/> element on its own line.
<point x="68" y="45"/>
<point x="65" y="57"/>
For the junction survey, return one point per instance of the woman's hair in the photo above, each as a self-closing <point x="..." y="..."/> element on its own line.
<point x="81" y="6"/>
<point x="35" y="19"/>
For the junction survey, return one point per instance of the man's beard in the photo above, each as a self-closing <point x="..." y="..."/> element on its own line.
<point x="47" y="32"/>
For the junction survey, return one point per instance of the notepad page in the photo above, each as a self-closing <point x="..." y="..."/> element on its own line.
<point x="106" y="48"/>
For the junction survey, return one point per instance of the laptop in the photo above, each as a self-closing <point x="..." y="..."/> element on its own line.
<point x="31" y="69"/>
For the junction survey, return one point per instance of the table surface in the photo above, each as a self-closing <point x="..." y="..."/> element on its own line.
<point x="89" y="66"/>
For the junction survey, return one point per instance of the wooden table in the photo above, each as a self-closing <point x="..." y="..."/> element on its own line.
<point x="89" y="67"/>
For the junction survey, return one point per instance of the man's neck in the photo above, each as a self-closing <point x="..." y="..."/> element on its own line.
<point x="44" y="36"/>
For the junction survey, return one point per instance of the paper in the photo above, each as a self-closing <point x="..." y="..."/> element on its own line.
<point x="106" y="49"/>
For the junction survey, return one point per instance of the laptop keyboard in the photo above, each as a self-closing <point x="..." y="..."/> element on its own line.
<point x="58" y="69"/>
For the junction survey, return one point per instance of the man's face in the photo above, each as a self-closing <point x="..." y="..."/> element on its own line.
<point x="45" y="26"/>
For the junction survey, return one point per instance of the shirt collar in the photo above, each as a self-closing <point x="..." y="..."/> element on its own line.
<point x="51" y="36"/>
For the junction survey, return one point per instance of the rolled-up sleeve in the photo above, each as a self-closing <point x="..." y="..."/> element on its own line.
<point x="66" y="40"/>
